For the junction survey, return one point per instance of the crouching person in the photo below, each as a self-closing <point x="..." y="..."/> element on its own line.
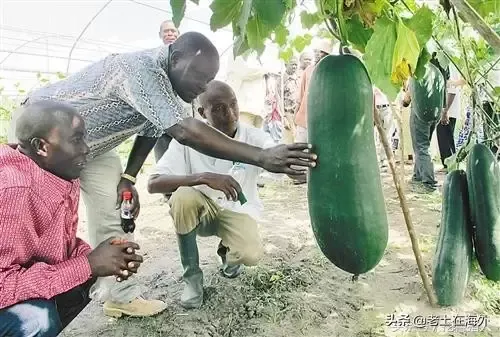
<point x="46" y="271"/>
<point x="204" y="196"/>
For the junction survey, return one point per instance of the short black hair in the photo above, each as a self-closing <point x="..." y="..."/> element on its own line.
<point x="39" y="119"/>
<point x="213" y="87"/>
<point x="191" y="44"/>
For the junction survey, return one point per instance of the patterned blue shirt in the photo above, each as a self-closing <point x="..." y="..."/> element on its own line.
<point x="119" y="96"/>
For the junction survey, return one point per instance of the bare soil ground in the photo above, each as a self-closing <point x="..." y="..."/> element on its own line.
<point x="295" y="291"/>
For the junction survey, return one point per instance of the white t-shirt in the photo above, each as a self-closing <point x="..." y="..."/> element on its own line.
<point x="183" y="160"/>
<point x="455" y="108"/>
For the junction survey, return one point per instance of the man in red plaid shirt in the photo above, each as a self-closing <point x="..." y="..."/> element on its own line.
<point x="45" y="270"/>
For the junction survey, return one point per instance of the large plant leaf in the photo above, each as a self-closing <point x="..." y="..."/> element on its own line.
<point x="368" y="10"/>
<point x="224" y="12"/>
<point x="280" y="35"/>
<point x="358" y="34"/>
<point x="257" y="32"/>
<point x="270" y="12"/>
<point x="421" y="24"/>
<point x="309" y="20"/>
<point x="286" y="54"/>
<point x="379" y="53"/>
<point x="406" y="52"/>
<point x="178" y="9"/>
<point x="486" y="7"/>
<point x="301" y="42"/>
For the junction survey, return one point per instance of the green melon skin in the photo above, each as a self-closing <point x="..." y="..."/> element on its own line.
<point x="483" y="177"/>
<point x="453" y="256"/>
<point x="346" y="201"/>
<point x="427" y="94"/>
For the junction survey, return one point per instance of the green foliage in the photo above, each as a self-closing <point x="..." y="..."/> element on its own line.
<point x="310" y="20"/>
<point x="406" y="52"/>
<point x="224" y="12"/>
<point x="486" y="7"/>
<point x="392" y="35"/>
<point x="421" y="24"/>
<point x="379" y="54"/>
<point x="359" y="35"/>
<point x="178" y="9"/>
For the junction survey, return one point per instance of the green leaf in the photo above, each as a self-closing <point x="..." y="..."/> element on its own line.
<point x="421" y="24"/>
<point x="240" y="46"/>
<point x="280" y="35"/>
<point x="197" y="2"/>
<point x="224" y="12"/>
<point x="270" y="12"/>
<point x="257" y="32"/>
<point x="309" y="20"/>
<point x="286" y="54"/>
<point x="379" y="53"/>
<point x="357" y="33"/>
<point x="329" y="6"/>
<point x="368" y="10"/>
<point x="422" y="61"/>
<point x="178" y="9"/>
<point x="290" y="4"/>
<point x="301" y="42"/>
<point x="406" y="52"/>
<point x="486" y="7"/>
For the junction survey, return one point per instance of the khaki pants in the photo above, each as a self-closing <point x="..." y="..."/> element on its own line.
<point x="190" y="209"/>
<point x="251" y="119"/>
<point x="98" y="181"/>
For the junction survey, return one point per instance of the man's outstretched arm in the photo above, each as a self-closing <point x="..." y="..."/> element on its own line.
<point x="209" y="141"/>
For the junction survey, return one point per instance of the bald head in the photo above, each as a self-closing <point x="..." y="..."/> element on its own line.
<point x="191" y="44"/>
<point x="216" y="90"/>
<point x="53" y="135"/>
<point x="220" y="107"/>
<point x="168" y="32"/>
<point x="194" y="61"/>
<point x="39" y="119"/>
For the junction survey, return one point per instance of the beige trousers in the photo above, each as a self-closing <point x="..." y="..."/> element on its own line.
<point x="190" y="209"/>
<point x="98" y="181"/>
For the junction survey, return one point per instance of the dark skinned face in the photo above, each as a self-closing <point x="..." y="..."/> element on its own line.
<point x="64" y="152"/>
<point x="190" y="76"/>
<point x="221" y="110"/>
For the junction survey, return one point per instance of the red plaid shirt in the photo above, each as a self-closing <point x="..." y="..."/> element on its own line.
<point x="40" y="255"/>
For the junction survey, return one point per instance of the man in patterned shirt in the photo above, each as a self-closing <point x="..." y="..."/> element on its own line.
<point x="138" y="93"/>
<point x="45" y="270"/>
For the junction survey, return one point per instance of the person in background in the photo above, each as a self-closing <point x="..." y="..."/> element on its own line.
<point x="139" y="94"/>
<point x="168" y="34"/>
<point x="205" y="195"/>
<point x="45" y="270"/>
<point x="445" y="129"/>
<point x="246" y="77"/>
<point x="305" y="60"/>
<point x="322" y="49"/>
<point x="290" y="88"/>
<point x="382" y="106"/>
<point x="490" y="104"/>
<point x="422" y="129"/>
